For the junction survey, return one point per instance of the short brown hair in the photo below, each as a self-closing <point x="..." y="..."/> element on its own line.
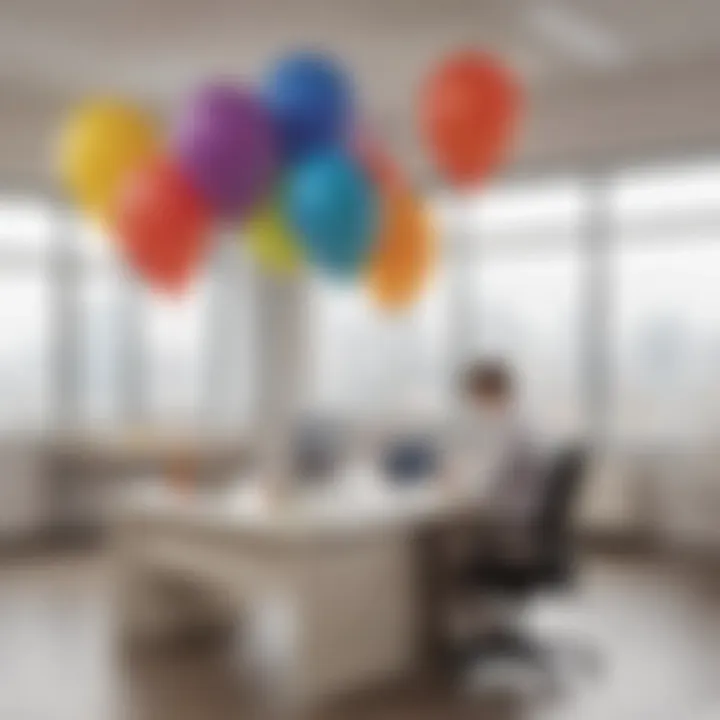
<point x="490" y="379"/>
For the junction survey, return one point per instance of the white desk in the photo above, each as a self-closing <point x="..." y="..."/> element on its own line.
<point x="336" y="570"/>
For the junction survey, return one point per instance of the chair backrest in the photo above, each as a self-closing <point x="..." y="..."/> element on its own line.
<point x="561" y="493"/>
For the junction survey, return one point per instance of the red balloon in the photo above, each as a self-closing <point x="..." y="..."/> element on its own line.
<point x="468" y="111"/>
<point x="378" y="164"/>
<point x="162" y="225"/>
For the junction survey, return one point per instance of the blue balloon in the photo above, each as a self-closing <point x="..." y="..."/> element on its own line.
<point x="310" y="99"/>
<point x="333" y="208"/>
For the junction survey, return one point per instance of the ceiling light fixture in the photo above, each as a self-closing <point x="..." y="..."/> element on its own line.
<point x="575" y="35"/>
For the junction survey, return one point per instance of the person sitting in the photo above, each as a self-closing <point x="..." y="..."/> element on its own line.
<point x="496" y="455"/>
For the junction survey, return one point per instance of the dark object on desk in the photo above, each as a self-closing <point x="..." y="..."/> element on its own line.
<point x="550" y="567"/>
<point x="318" y="450"/>
<point x="410" y="460"/>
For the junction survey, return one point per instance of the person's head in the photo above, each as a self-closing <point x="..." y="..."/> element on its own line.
<point x="488" y="385"/>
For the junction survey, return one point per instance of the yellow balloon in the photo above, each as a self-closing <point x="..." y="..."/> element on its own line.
<point x="272" y="242"/>
<point x="99" y="144"/>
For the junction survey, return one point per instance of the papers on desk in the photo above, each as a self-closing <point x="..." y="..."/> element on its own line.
<point x="361" y="499"/>
<point x="360" y="496"/>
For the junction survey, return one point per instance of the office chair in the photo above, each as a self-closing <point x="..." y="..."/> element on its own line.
<point x="550" y="566"/>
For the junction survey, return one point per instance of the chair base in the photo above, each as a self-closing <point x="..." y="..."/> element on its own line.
<point x="547" y="660"/>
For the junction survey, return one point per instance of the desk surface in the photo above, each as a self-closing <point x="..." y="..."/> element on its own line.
<point x="363" y="503"/>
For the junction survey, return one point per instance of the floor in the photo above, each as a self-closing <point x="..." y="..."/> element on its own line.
<point x="656" y="625"/>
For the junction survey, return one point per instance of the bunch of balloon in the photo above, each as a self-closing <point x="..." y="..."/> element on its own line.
<point x="274" y="160"/>
<point x="286" y="163"/>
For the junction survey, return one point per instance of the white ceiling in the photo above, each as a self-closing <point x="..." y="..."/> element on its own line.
<point x="157" y="48"/>
<point x="570" y="53"/>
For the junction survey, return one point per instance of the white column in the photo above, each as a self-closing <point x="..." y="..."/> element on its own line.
<point x="597" y="317"/>
<point x="461" y="240"/>
<point x="282" y="348"/>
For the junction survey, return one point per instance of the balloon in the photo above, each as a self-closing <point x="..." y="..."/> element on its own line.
<point x="272" y="242"/>
<point x="100" y="143"/>
<point x="333" y="207"/>
<point x="227" y="146"/>
<point x="404" y="255"/>
<point x="468" y="112"/>
<point x="162" y="224"/>
<point x="376" y="161"/>
<point x="310" y="99"/>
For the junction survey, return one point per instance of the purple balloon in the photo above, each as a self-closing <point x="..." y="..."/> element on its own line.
<point x="226" y="143"/>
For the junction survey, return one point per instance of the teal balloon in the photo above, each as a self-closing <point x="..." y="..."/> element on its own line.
<point x="334" y="209"/>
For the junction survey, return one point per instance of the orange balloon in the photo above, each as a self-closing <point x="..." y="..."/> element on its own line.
<point x="404" y="254"/>
<point x="468" y="112"/>
<point x="162" y="225"/>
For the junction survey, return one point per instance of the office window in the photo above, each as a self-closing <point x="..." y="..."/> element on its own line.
<point x="104" y="339"/>
<point x="528" y="314"/>
<point x="679" y="191"/>
<point x="102" y="349"/>
<point x="667" y="341"/>
<point x="86" y="344"/>
<point x="91" y="244"/>
<point x="167" y="362"/>
<point x="231" y="338"/>
<point x="25" y="315"/>
<point x="174" y="355"/>
<point x="26" y="226"/>
<point x="521" y="277"/>
<point x="369" y="362"/>
<point x="529" y="211"/>
<point x="25" y="341"/>
<point x="513" y="281"/>
<point x="666" y="299"/>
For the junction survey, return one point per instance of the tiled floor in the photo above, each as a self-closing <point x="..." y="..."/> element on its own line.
<point x="657" y="627"/>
